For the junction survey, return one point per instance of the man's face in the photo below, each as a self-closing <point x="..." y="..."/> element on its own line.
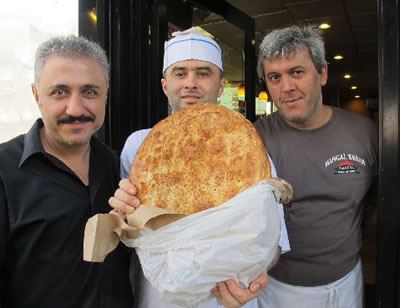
<point x="71" y="95"/>
<point x="295" y="87"/>
<point x="191" y="82"/>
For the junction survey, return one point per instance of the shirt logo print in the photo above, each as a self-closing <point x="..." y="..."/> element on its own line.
<point x="345" y="163"/>
<point x="346" y="166"/>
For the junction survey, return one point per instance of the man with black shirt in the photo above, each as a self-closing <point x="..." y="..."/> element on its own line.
<point x="53" y="179"/>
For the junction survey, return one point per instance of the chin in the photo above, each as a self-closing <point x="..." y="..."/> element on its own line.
<point x="295" y="118"/>
<point x="75" y="141"/>
<point x="184" y="105"/>
<point x="191" y="104"/>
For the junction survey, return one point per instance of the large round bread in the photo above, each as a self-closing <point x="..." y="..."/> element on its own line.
<point x="198" y="158"/>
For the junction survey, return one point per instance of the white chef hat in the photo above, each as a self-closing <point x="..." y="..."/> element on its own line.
<point x="191" y="44"/>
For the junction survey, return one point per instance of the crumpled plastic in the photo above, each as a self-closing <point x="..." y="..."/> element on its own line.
<point x="236" y="240"/>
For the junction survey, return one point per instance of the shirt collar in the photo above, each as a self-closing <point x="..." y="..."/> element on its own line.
<point x="32" y="142"/>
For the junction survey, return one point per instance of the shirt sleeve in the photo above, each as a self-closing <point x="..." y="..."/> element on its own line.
<point x="284" y="238"/>
<point x="128" y="153"/>
<point x="4" y="231"/>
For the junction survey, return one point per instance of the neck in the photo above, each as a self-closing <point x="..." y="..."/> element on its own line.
<point x="76" y="157"/>
<point x="62" y="150"/>
<point x="320" y="118"/>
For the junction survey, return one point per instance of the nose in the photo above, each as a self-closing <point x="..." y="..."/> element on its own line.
<point x="287" y="83"/>
<point x="75" y="105"/>
<point x="190" y="81"/>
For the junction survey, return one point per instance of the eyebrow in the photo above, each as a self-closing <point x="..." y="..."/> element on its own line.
<point x="271" y="74"/>
<point x="58" y="86"/>
<point x="63" y="86"/>
<point x="184" y="68"/>
<point x="90" y="85"/>
<point x="297" y="67"/>
<point x="178" y="68"/>
<point x="290" y="70"/>
<point x="203" y="68"/>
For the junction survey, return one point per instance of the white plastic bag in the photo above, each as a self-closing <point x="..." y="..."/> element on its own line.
<point x="236" y="240"/>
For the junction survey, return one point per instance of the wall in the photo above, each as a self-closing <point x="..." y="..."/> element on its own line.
<point x="24" y="24"/>
<point x="358" y="105"/>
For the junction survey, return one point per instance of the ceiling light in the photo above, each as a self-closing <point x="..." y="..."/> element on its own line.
<point x="338" y="57"/>
<point x="357" y="96"/>
<point x="93" y="16"/>
<point x="354" y="87"/>
<point x="263" y="96"/>
<point x="347" y="76"/>
<point x="324" y="26"/>
<point x="240" y="90"/>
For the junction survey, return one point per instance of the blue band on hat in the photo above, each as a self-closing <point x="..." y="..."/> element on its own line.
<point x="193" y="39"/>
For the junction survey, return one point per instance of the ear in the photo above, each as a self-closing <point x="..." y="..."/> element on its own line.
<point x="35" y="93"/>
<point x="164" y="86"/>
<point x="221" y="86"/>
<point x="324" y="75"/>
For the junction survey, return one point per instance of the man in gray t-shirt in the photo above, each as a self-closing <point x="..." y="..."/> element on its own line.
<point x="330" y="157"/>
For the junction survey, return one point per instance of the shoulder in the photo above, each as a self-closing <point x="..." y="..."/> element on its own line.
<point x="356" y="129"/>
<point x="12" y="147"/>
<point x="135" y="140"/>
<point x="101" y="149"/>
<point x="344" y="114"/>
<point x="354" y="121"/>
<point x="10" y="156"/>
<point x="138" y="136"/>
<point x="266" y="124"/>
<point x="131" y="146"/>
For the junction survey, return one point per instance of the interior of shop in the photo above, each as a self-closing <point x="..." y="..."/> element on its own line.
<point x="349" y="29"/>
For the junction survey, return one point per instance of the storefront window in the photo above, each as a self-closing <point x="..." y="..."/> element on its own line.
<point x="24" y="24"/>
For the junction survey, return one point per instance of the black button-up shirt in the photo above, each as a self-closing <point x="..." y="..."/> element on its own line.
<point x="44" y="207"/>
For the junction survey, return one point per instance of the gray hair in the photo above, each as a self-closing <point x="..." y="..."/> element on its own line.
<point x="282" y="42"/>
<point x="70" y="46"/>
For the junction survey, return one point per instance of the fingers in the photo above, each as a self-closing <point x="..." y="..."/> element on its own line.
<point x="127" y="198"/>
<point x="230" y="294"/>
<point x="288" y="195"/>
<point x="124" y="198"/>
<point x="240" y="294"/>
<point x="259" y="283"/>
<point x="118" y="213"/>
<point x="123" y="202"/>
<point x="254" y="287"/>
<point x="284" y="187"/>
<point x="127" y="193"/>
<point x="225" y="298"/>
<point x="126" y="185"/>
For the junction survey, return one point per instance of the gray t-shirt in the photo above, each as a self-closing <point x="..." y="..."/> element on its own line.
<point x="331" y="169"/>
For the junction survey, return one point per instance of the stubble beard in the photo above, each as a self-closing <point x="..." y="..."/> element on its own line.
<point x="301" y="119"/>
<point x="73" y="141"/>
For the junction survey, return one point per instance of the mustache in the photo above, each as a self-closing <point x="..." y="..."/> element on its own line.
<point x="72" y="119"/>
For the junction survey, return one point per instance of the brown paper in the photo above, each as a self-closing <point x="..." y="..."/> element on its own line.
<point x="104" y="231"/>
<point x="152" y="217"/>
